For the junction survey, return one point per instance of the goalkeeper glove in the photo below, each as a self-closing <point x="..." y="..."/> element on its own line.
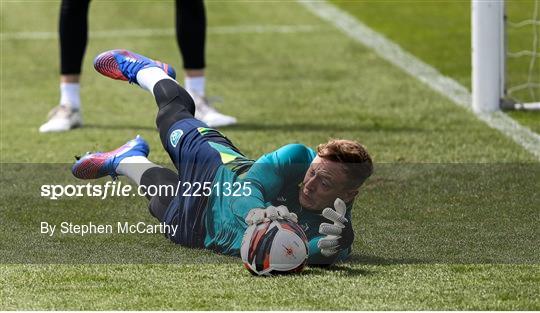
<point x="271" y="213"/>
<point x="338" y="235"/>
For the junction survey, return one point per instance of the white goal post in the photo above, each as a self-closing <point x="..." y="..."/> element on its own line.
<point x="489" y="54"/>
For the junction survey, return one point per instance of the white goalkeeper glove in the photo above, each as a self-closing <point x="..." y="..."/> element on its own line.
<point x="271" y="213"/>
<point x="338" y="235"/>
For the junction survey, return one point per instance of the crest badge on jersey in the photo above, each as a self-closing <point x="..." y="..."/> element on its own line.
<point x="175" y="137"/>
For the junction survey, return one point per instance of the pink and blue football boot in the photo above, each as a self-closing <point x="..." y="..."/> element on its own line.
<point x="124" y="65"/>
<point x="100" y="164"/>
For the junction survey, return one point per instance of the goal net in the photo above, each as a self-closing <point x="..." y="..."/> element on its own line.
<point x="506" y="54"/>
<point x="522" y="54"/>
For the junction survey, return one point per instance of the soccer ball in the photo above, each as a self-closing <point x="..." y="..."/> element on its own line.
<point x="274" y="247"/>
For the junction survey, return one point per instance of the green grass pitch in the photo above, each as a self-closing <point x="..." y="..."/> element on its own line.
<point x="449" y="220"/>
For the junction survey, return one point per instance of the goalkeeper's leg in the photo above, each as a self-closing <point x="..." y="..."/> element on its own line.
<point x="131" y="160"/>
<point x="174" y="104"/>
<point x="157" y="182"/>
<point x="159" y="176"/>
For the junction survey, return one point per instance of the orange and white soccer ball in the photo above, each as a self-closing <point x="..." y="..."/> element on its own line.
<point x="274" y="247"/>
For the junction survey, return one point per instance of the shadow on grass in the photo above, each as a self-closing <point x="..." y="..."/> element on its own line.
<point x="118" y="127"/>
<point x="320" y="127"/>
<point x="351" y="266"/>
<point x="375" y="260"/>
<point x="278" y="127"/>
<point x="340" y="270"/>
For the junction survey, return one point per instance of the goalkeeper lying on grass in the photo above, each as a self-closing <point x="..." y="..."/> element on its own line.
<point x="222" y="190"/>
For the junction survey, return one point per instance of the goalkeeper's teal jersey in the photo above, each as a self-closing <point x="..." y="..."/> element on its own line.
<point x="241" y="185"/>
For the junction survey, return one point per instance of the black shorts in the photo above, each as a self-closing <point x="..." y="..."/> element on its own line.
<point x="195" y="151"/>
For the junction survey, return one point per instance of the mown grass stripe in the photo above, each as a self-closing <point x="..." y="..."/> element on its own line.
<point x="166" y="32"/>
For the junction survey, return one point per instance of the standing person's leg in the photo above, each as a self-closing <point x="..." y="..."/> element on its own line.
<point x="73" y="33"/>
<point x="191" y="38"/>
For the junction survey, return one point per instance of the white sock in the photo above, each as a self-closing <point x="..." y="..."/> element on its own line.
<point x="195" y="84"/>
<point x="70" y="95"/>
<point x="134" y="167"/>
<point x="148" y="77"/>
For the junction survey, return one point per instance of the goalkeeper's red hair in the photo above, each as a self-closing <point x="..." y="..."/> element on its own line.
<point x="357" y="163"/>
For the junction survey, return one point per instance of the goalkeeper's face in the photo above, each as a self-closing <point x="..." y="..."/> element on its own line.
<point x="324" y="181"/>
